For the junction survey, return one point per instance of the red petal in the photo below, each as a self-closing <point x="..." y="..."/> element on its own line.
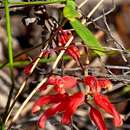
<point x="52" y="80"/>
<point x="92" y="83"/>
<point x="43" y="87"/>
<point x="104" y="83"/>
<point x="73" y="51"/>
<point x="105" y="104"/>
<point x="75" y="101"/>
<point x="60" y="107"/>
<point x="48" y="113"/>
<point x="96" y="117"/>
<point x="64" y="36"/>
<point x="69" y="81"/>
<point x="59" y="85"/>
<point x="47" y="99"/>
<point x="27" y="69"/>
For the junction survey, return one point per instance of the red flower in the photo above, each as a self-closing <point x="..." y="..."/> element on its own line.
<point x="105" y="104"/>
<point x="64" y="36"/>
<point x="72" y="50"/>
<point x="92" y="83"/>
<point x="60" y="83"/>
<point x="97" y="119"/>
<point x="64" y="103"/>
<point x="95" y="85"/>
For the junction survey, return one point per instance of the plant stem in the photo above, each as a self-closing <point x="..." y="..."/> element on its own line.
<point x="10" y="54"/>
<point x="36" y="2"/>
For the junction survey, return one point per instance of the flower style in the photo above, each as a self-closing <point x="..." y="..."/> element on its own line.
<point x="60" y="83"/>
<point x="62" y="103"/>
<point x="103" y="102"/>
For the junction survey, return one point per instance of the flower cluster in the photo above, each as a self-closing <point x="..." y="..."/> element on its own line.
<point x="67" y="104"/>
<point x="63" y="102"/>
<point x="95" y="85"/>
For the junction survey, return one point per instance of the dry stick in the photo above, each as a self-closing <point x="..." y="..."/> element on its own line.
<point x="39" y="85"/>
<point x="82" y="4"/>
<point x="23" y="85"/>
<point x="95" y="8"/>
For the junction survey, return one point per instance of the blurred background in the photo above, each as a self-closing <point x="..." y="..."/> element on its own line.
<point x="110" y="24"/>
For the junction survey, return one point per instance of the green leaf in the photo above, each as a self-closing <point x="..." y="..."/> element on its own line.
<point x="2" y="126"/>
<point x="70" y="10"/>
<point x="86" y="35"/>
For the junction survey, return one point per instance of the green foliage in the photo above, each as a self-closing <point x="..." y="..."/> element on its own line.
<point x="87" y="37"/>
<point x="70" y="10"/>
<point x="2" y="126"/>
<point x="85" y="34"/>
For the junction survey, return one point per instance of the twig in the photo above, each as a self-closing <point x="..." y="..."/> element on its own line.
<point x="101" y="16"/>
<point x="82" y="4"/>
<point x="117" y="43"/>
<point x="94" y="9"/>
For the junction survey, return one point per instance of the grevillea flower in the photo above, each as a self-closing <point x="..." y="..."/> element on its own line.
<point x="92" y="83"/>
<point x="105" y="104"/>
<point x="64" y="36"/>
<point x="95" y="85"/>
<point x="72" y="50"/>
<point x="97" y="119"/>
<point x="63" y="103"/>
<point x="60" y="83"/>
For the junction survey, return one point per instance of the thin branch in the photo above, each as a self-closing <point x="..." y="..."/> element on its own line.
<point x="82" y="4"/>
<point x="105" y="14"/>
<point x="94" y="9"/>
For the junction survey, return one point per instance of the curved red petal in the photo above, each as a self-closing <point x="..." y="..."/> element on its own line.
<point x="105" y="104"/>
<point x="92" y="83"/>
<point x="73" y="51"/>
<point x="47" y="99"/>
<point x="75" y="101"/>
<point x="69" y="81"/>
<point x="96" y="117"/>
<point x="27" y="69"/>
<point x="60" y="107"/>
<point x="48" y="113"/>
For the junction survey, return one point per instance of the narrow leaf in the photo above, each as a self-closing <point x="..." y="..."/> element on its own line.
<point x="86" y="35"/>
<point x="70" y="10"/>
